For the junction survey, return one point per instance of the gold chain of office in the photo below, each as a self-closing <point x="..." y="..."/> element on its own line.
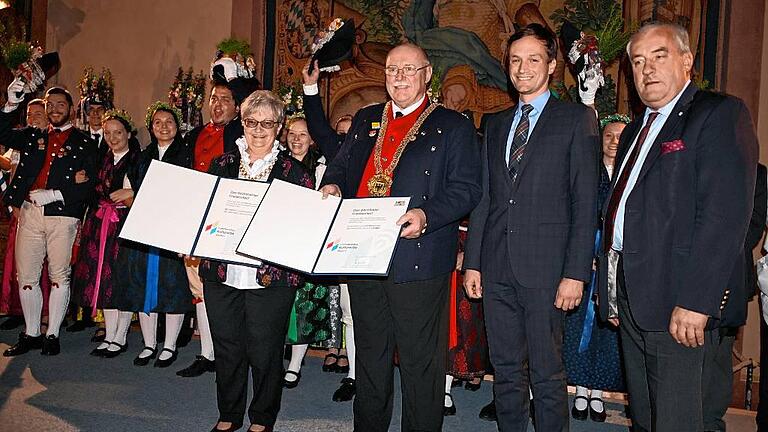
<point x="379" y="184"/>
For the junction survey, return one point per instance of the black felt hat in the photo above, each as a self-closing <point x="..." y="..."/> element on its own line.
<point x="49" y="63"/>
<point x="570" y="34"/>
<point x="240" y="87"/>
<point x="338" y="48"/>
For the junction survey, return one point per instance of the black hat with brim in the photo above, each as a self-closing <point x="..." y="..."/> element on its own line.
<point x="49" y="63"/>
<point x="339" y="48"/>
<point x="240" y="87"/>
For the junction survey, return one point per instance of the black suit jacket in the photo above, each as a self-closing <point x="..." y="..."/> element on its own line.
<point x="687" y="216"/>
<point x="79" y="153"/>
<point x="743" y="283"/>
<point x="439" y="170"/>
<point x="542" y="226"/>
<point x="321" y="132"/>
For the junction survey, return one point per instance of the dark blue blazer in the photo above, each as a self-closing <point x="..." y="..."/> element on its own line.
<point x="321" y="132"/>
<point x="686" y="217"/>
<point x="439" y="170"/>
<point x="542" y="226"/>
<point x="79" y="153"/>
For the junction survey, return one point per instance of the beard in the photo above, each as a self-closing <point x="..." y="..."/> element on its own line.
<point x="64" y="120"/>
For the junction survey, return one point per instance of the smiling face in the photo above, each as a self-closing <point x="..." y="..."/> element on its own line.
<point x="611" y="134"/>
<point x="222" y="105"/>
<point x="407" y="90"/>
<point x="164" y="127"/>
<point x="36" y="116"/>
<point x="260" y="138"/>
<point x="530" y="67"/>
<point x="299" y="139"/>
<point x="115" y="135"/>
<point x="58" y="109"/>
<point x="659" y="65"/>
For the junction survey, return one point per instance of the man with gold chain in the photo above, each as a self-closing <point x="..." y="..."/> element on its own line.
<point x="407" y="147"/>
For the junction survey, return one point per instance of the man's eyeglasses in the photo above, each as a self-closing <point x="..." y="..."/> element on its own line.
<point x="266" y="124"/>
<point x="408" y="70"/>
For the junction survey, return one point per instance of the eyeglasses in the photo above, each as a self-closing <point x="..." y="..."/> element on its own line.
<point x="408" y="70"/>
<point x="266" y="124"/>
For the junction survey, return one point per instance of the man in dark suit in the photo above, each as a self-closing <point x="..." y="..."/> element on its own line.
<point x="530" y="242"/>
<point x="717" y="372"/>
<point x="51" y="203"/>
<point x="676" y="218"/>
<point x="407" y="147"/>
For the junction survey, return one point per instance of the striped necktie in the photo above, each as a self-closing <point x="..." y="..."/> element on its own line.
<point x="517" y="149"/>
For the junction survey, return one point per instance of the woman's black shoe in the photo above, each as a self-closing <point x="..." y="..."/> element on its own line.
<point x="577" y="413"/>
<point x="143" y="361"/>
<point x="112" y="354"/>
<point x="232" y="428"/>
<point x="346" y="392"/>
<point x="99" y="335"/>
<point x="330" y="367"/>
<point x="169" y="361"/>
<point x="291" y="384"/>
<point x="449" y="410"/>
<point x="597" y="416"/>
<point x="99" y="352"/>
<point x="342" y="369"/>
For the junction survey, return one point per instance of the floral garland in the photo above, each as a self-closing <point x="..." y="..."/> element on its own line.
<point x="323" y="37"/>
<point x="164" y="106"/>
<point x="293" y="99"/>
<point x="187" y="94"/>
<point x="100" y="86"/>
<point x="614" y="118"/>
<point x="122" y="116"/>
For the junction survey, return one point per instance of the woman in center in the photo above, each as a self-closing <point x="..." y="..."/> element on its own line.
<point x="248" y="307"/>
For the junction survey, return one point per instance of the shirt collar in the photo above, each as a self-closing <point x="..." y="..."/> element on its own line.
<point x="538" y="104"/>
<point x="243" y="146"/>
<point x="60" y="128"/>
<point x="120" y="155"/>
<point x="409" y="109"/>
<point x="666" y="110"/>
<point x="99" y="132"/>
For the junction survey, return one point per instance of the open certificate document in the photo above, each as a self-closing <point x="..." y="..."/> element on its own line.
<point x="193" y="213"/>
<point x="324" y="236"/>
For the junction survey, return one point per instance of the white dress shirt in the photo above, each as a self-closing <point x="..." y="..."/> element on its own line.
<point x="664" y="113"/>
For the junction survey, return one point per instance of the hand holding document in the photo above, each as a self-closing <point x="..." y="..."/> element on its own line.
<point x="244" y="222"/>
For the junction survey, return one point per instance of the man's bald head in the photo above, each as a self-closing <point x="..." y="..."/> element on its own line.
<point x="408" y="73"/>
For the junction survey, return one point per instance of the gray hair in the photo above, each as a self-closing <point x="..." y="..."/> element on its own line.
<point x="679" y="34"/>
<point x="262" y="99"/>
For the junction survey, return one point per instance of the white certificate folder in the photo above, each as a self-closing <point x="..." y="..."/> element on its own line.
<point x="193" y="213"/>
<point x="296" y="228"/>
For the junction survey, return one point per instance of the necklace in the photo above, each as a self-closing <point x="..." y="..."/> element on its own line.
<point x="262" y="175"/>
<point x="379" y="184"/>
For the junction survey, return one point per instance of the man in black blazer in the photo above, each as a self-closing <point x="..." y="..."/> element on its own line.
<point x="530" y="245"/>
<point x="440" y="171"/>
<point x="51" y="203"/>
<point x="717" y="373"/>
<point x="675" y="224"/>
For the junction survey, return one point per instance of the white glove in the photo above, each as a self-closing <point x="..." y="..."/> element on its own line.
<point x="41" y="197"/>
<point x="15" y="89"/>
<point x="589" y="82"/>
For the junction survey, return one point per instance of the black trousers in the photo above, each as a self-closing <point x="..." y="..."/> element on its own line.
<point x="248" y="329"/>
<point x="717" y="378"/>
<point x="412" y="317"/>
<point x="525" y="341"/>
<point x="664" y="378"/>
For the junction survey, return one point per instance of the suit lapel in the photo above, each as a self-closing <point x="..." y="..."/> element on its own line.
<point x="670" y="129"/>
<point x="541" y="125"/>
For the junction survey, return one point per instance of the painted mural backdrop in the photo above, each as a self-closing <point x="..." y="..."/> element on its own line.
<point x="464" y="40"/>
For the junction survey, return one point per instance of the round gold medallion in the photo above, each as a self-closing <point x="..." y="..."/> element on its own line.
<point x="379" y="184"/>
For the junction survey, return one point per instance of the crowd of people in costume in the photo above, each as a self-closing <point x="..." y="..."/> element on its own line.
<point x="498" y="270"/>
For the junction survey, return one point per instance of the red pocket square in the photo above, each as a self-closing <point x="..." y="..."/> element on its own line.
<point x="672" y="146"/>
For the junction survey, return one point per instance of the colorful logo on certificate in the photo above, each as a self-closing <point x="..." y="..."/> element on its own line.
<point x="212" y="228"/>
<point x="333" y="245"/>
